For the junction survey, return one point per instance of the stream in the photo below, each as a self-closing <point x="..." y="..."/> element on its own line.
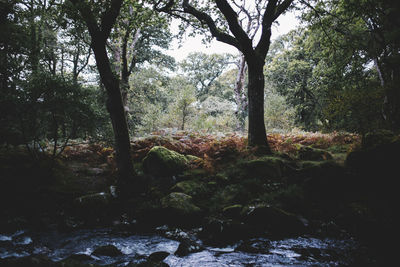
<point x="300" y="251"/>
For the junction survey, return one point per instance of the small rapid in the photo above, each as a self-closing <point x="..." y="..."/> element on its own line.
<point x="57" y="246"/>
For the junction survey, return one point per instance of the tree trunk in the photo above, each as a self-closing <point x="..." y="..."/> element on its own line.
<point x="256" y="132"/>
<point x="240" y="97"/>
<point x="117" y="115"/>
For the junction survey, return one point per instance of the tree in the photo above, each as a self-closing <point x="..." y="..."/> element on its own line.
<point x="328" y="81"/>
<point x="100" y="29"/>
<point x="137" y="37"/>
<point x="222" y="21"/>
<point x="147" y="93"/>
<point x="204" y="70"/>
<point x="290" y="70"/>
<point x="369" y="30"/>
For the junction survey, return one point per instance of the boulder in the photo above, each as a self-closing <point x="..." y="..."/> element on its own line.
<point x="107" y="250"/>
<point x="78" y="258"/>
<point x="162" y="162"/>
<point x="97" y="205"/>
<point x="264" y="167"/>
<point x="190" y="187"/>
<point x="231" y="194"/>
<point x="310" y="153"/>
<point x="217" y="232"/>
<point x="158" y="256"/>
<point x="180" y="202"/>
<point x="187" y="247"/>
<point x="275" y="221"/>
<point x="375" y="170"/>
<point x="259" y="246"/>
<point x="377" y="138"/>
<point x="323" y="180"/>
<point x="179" y="209"/>
<point x="233" y="211"/>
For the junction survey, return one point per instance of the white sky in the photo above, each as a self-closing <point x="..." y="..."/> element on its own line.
<point x="286" y="22"/>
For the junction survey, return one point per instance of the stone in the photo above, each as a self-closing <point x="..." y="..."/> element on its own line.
<point x="310" y="153"/>
<point x="178" y="209"/>
<point x="78" y="258"/>
<point x="180" y="202"/>
<point x="264" y="167"/>
<point x="254" y="246"/>
<point x="162" y="162"/>
<point x="187" y="247"/>
<point x="233" y="211"/>
<point x="275" y="221"/>
<point x="217" y="232"/>
<point x="189" y="187"/>
<point x="94" y="200"/>
<point x="158" y="256"/>
<point x="322" y="180"/>
<point x="107" y="250"/>
<point x="192" y="158"/>
<point x="377" y="138"/>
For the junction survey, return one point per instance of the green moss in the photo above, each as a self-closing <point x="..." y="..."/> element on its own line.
<point x="309" y="153"/>
<point x="266" y="166"/>
<point x="180" y="202"/>
<point x="192" y="174"/>
<point x="378" y="137"/>
<point x="192" y="158"/>
<point x="161" y="161"/>
<point x="189" y="187"/>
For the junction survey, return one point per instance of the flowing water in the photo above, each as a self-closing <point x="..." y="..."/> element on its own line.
<point x="301" y="251"/>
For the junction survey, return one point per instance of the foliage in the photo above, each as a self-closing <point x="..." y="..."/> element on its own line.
<point x="203" y="70"/>
<point x="55" y="109"/>
<point x="356" y="42"/>
<point x="278" y="115"/>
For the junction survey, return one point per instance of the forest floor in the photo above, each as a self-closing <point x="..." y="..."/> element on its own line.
<point x="225" y="189"/>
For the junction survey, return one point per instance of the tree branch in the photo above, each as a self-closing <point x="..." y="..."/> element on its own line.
<point x="234" y="26"/>
<point x="109" y="17"/>
<point x="205" y="18"/>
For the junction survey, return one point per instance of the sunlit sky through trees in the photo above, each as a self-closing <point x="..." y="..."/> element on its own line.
<point x="286" y="23"/>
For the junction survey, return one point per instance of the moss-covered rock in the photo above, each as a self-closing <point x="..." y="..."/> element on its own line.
<point x="189" y="187"/>
<point x="264" y="167"/>
<point x="324" y="181"/>
<point x="161" y="161"/>
<point x="377" y="138"/>
<point x="93" y="206"/>
<point x="192" y="158"/>
<point x="233" y="211"/>
<point x="310" y="153"/>
<point x="178" y="210"/>
<point x="180" y="202"/>
<point x="231" y="194"/>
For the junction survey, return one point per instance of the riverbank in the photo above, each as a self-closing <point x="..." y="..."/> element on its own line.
<point x="216" y="191"/>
